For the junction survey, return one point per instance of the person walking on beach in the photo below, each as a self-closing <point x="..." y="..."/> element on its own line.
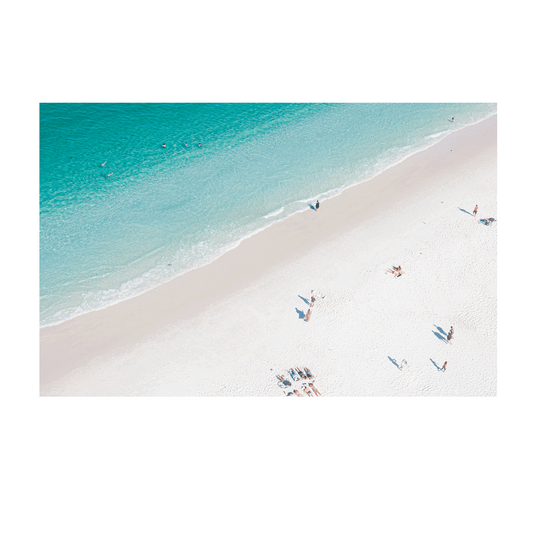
<point x="313" y="299"/>
<point x="475" y="211"/>
<point x="449" y="338"/>
<point x="444" y="366"/>
<point x="404" y="362"/>
<point x="451" y="331"/>
<point x="308" y="315"/>
<point x="317" y="205"/>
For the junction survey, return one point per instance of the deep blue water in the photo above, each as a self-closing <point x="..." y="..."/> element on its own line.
<point x="104" y="239"/>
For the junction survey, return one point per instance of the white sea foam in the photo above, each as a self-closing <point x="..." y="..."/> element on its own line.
<point x="274" y="213"/>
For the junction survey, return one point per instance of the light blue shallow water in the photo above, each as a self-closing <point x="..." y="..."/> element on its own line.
<point x="163" y="211"/>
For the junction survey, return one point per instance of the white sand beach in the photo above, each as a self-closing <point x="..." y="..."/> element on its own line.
<point x="227" y="329"/>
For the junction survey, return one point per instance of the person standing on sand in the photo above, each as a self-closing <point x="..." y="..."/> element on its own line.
<point x="404" y="362"/>
<point x="449" y="338"/>
<point x="317" y="205"/>
<point x="475" y="211"/>
<point x="308" y="315"/>
<point x="444" y="366"/>
<point x="451" y="331"/>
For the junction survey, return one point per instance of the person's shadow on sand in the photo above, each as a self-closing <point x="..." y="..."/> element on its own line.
<point x="304" y="299"/>
<point x="301" y="314"/>
<point x="465" y="212"/>
<point x="438" y="367"/>
<point x="312" y="207"/>
<point x="440" y="329"/>
<point x="393" y="361"/>
<point x="438" y="335"/>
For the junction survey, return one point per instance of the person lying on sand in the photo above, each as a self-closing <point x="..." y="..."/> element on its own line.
<point x="293" y="375"/>
<point x="308" y="372"/>
<point x="315" y="389"/>
<point x="308" y="392"/>
<point x="300" y="373"/>
<point x="397" y="271"/>
<point x="298" y="393"/>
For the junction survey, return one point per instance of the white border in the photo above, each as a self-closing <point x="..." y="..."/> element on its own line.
<point x="30" y="96"/>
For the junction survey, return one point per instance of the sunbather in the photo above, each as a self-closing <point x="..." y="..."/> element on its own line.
<point x="308" y="392"/>
<point x="397" y="271"/>
<point x="308" y="372"/>
<point x="300" y="373"/>
<point x="315" y="389"/>
<point x="298" y="393"/>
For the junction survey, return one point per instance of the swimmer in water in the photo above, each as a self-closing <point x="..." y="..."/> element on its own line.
<point x="103" y="163"/>
<point x="199" y="145"/>
<point x="164" y="145"/>
<point x="107" y="175"/>
<point x="186" y="145"/>
<point x="453" y="120"/>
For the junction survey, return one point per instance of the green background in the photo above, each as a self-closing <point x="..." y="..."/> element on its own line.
<point x="261" y="474"/>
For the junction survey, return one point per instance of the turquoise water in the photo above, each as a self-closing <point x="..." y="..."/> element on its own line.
<point x="162" y="211"/>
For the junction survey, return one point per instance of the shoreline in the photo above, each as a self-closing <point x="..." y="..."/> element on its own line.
<point x="120" y="327"/>
<point x="237" y="243"/>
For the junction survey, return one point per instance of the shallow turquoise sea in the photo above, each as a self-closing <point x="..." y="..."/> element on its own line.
<point x="162" y="211"/>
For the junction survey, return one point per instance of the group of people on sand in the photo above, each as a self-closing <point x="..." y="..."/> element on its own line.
<point x="397" y="271"/>
<point x="304" y="374"/>
<point x="306" y="390"/>
<point x="449" y="337"/>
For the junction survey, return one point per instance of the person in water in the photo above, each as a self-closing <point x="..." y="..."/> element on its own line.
<point x="103" y="163"/>
<point x="453" y="120"/>
<point x="186" y="145"/>
<point x="107" y="175"/>
<point x="199" y="145"/>
<point x="164" y="145"/>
